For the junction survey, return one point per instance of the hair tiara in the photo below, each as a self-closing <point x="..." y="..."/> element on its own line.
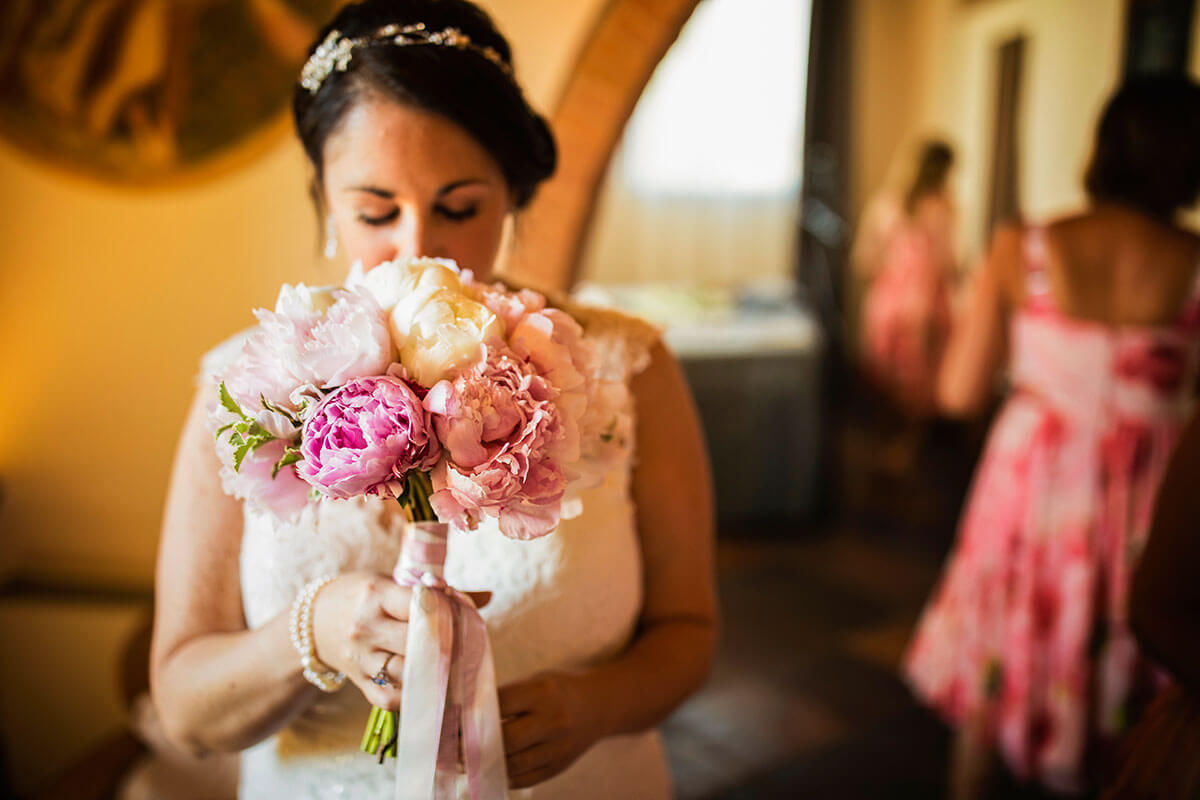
<point x="335" y="52"/>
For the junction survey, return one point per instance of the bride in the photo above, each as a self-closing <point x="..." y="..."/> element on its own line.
<point x="424" y="146"/>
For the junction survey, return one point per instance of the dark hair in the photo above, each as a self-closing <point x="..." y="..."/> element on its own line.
<point x="459" y="84"/>
<point x="933" y="164"/>
<point x="1147" y="152"/>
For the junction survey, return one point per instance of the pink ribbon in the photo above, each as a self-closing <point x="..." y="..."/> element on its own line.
<point x="448" y="703"/>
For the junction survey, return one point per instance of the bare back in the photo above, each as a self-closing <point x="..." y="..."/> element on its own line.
<point x="1108" y="265"/>
<point x="1116" y="267"/>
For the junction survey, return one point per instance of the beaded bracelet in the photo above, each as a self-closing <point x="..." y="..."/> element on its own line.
<point x="301" y="629"/>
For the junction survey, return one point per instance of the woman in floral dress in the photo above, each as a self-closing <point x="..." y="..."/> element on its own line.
<point x="1025" y="646"/>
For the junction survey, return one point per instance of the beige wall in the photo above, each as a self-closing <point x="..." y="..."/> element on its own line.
<point x="928" y="66"/>
<point x="107" y="298"/>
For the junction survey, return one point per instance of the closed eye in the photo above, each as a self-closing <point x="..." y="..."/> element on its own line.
<point x="460" y="215"/>
<point x="384" y="220"/>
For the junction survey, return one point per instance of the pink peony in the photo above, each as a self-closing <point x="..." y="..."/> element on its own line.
<point x="505" y="446"/>
<point x="365" y="437"/>
<point x="318" y="337"/>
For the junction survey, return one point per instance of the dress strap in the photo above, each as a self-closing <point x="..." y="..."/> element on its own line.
<point x="1190" y="316"/>
<point x="1037" y="278"/>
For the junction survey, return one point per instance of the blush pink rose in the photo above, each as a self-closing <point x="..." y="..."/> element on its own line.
<point x="509" y="306"/>
<point x="364" y="438"/>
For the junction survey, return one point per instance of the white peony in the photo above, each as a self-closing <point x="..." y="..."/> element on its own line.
<point x="442" y="334"/>
<point x="435" y="324"/>
<point x="314" y="299"/>
<point x="393" y="281"/>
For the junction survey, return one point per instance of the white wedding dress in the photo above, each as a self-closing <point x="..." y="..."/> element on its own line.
<point x="569" y="599"/>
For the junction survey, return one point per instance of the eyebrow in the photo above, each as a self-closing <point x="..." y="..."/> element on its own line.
<point x="388" y="195"/>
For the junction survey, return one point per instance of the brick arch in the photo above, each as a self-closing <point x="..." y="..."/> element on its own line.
<point x="625" y="46"/>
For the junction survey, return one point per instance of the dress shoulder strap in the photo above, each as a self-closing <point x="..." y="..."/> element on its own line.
<point x="1190" y="316"/>
<point x="1037" y="278"/>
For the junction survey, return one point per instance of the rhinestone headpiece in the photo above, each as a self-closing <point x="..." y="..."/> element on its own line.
<point x="336" y="51"/>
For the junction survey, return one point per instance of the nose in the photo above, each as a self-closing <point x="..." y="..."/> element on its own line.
<point x="418" y="236"/>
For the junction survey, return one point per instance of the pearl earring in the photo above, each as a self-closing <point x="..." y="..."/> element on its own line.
<point x="330" y="237"/>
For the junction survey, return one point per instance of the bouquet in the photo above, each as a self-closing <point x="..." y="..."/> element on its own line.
<point x="461" y="400"/>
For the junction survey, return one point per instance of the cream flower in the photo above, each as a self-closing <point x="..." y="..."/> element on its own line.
<point x="408" y="280"/>
<point x="293" y="300"/>
<point x="436" y="325"/>
<point x="442" y="334"/>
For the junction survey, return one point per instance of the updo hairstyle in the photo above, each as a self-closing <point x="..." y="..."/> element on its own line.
<point x="460" y="84"/>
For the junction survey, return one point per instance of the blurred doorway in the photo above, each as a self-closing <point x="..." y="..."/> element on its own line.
<point x="696" y="228"/>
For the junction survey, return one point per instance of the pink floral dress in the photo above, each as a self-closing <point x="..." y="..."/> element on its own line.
<point x="1029" y="623"/>
<point x="906" y="319"/>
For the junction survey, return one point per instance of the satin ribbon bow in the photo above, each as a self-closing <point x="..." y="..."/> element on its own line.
<point x="448" y="703"/>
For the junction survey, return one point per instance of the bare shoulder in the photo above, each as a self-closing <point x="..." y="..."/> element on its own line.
<point x="662" y="381"/>
<point x="1113" y="234"/>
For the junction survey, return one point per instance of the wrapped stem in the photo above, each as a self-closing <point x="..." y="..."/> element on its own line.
<point x="382" y="732"/>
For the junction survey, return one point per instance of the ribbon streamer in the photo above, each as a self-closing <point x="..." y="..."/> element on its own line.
<point x="449" y="710"/>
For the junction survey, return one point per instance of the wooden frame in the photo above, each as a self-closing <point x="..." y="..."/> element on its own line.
<point x="614" y="67"/>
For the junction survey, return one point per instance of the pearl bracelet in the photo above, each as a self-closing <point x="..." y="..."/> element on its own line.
<point x="301" y="629"/>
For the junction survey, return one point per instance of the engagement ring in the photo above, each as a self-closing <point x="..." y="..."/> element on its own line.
<point x="381" y="678"/>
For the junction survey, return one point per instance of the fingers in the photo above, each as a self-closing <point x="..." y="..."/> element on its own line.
<point x="388" y="634"/>
<point x="523" y="764"/>
<point x="533" y="777"/>
<point x="393" y="598"/>
<point x="396" y="599"/>
<point x="391" y="668"/>
<point x="380" y="679"/>
<point x="519" y="698"/>
<point x="538" y="764"/>
<point x="523" y="732"/>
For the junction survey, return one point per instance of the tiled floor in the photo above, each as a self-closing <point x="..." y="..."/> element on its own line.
<point x="804" y="700"/>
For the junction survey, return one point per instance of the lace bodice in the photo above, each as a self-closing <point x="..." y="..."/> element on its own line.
<point x="565" y="600"/>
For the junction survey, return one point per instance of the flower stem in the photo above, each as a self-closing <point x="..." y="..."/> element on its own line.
<point x="420" y="487"/>
<point x="369" y="732"/>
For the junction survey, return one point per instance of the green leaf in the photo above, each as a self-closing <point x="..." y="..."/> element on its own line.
<point x="236" y="439"/>
<point x="222" y="429"/>
<point x="239" y="455"/>
<point x="258" y="441"/>
<point x="290" y="456"/>
<point x="269" y="406"/>
<point x="227" y="401"/>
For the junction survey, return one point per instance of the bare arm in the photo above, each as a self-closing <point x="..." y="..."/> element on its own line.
<point x="217" y="685"/>
<point x="673" y="652"/>
<point x="978" y="342"/>
<point x="1165" y="598"/>
<point x="672" y="486"/>
<point x="878" y="219"/>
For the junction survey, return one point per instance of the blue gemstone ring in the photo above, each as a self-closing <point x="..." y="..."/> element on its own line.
<point x="381" y="678"/>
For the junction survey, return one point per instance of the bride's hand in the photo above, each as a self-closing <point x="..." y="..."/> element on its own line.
<point x="360" y="626"/>
<point x="546" y="726"/>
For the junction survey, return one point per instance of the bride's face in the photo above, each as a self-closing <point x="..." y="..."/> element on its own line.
<point x="401" y="182"/>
